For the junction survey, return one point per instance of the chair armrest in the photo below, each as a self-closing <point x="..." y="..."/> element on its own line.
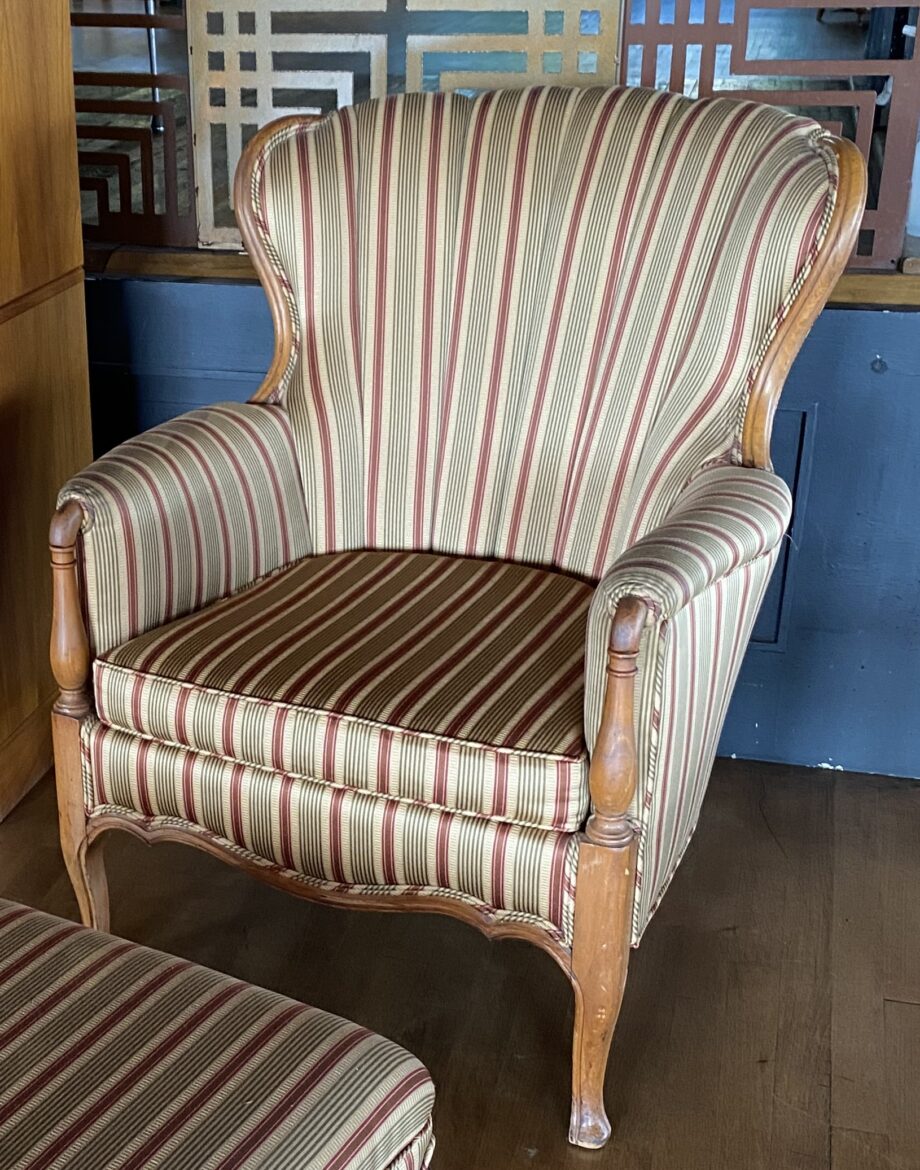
<point x="184" y="514"/>
<point x="727" y="518"/>
<point x="670" y="622"/>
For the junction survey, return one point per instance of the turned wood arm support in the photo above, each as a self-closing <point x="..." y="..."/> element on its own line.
<point x="612" y="778"/>
<point x="70" y="654"/>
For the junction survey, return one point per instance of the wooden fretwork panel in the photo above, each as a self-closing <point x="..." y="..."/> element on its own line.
<point x="830" y="63"/>
<point x="253" y="62"/>
<point x="136" y="184"/>
<point x="134" y="125"/>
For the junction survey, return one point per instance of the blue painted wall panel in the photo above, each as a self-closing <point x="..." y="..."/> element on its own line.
<point x="833" y="673"/>
<point x="845" y="689"/>
<point x="158" y="348"/>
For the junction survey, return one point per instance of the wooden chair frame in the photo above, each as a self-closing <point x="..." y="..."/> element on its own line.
<point x="596" y="965"/>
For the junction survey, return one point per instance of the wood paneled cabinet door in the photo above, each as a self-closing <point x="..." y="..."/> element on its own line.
<point x="44" y="395"/>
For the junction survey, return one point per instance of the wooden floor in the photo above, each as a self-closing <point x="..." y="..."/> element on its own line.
<point x="772" y="1015"/>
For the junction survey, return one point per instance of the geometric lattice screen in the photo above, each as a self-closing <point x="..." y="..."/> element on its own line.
<point x="133" y="127"/>
<point x="255" y="60"/>
<point x="135" y="184"/>
<point x="854" y="69"/>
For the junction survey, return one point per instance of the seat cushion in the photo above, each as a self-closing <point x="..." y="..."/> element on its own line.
<point x="335" y="838"/>
<point x="117" y="1056"/>
<point x="449" y="681"/>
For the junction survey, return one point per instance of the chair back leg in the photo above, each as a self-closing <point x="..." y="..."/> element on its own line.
<point x="82" y="857"/>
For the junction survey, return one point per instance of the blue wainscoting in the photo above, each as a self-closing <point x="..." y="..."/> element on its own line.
<point x="832" y="675"/>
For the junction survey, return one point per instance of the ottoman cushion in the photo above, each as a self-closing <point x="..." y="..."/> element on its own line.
<point x="115" y="1056"/>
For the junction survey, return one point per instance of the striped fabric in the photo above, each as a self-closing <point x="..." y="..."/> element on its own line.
<point x="688" y="674"/>
<point x="703" y="574"/>
<point x="444" y="680"/>
<point x="186" y="513"/>
<point x="525" y="330"/>
<point x="525" y="321"/>
<point x="115" y="1057"/>
<point x="337" y="837"/>
<point x="728" y="517"/>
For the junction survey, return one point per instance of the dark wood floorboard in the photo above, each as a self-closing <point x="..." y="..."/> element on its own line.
<point x="772" y="1014"/>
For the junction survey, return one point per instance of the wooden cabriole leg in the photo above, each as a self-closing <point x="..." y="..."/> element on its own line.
<point x="600" y="957"/>
<point x="70" y="661"/>
<point x="605" y="884"/>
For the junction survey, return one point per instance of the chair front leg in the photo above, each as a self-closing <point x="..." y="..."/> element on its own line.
<point x="70" y="662"/>
<point x="605" y="884"/>
<point x="600" y="956"/>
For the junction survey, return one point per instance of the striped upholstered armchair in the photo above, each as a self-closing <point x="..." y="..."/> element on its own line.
<point x="448" y="616"/>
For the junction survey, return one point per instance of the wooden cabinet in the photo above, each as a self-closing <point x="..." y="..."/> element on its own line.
<point x="44" y="395"/>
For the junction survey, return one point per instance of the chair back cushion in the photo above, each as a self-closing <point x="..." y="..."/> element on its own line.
<point x="524" y="321"/>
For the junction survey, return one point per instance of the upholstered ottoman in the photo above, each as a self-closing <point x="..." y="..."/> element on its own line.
<point x="116" y="1057"/>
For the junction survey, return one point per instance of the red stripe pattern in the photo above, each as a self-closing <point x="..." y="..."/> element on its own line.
<point x="726" y="517"/>
<point x="526" y="326"/>
<point x="114" y="1055"/>
<point x="339" y="837"/>
<point x="696" y="658"/>
<point x="185" y="513"/>
<point x="703" y="574"/>
<point x="443" y="680"/>
<point x="554" y="305"/>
